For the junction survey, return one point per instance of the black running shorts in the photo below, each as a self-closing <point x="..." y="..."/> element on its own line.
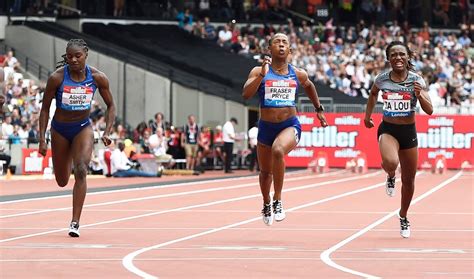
<point x="405" y="134"/>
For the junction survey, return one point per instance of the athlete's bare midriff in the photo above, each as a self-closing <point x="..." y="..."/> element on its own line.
<point x="68" y="116"/>
<point x="400" y="120"/>
<point x="277" y="115"/>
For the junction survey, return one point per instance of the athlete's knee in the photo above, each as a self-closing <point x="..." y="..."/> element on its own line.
<point x="265" y="174"/>
<point x="80" y="170"/>
<point x="408" y="180"/>
<point x="278" y="152"/>
<point x="390" y="164"/>
<point x="62" y="181"/>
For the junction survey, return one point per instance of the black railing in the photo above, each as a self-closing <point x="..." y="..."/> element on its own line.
<point x="184" y="78"/>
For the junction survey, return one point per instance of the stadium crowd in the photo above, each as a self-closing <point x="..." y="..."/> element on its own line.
<point x="349" y="58"/>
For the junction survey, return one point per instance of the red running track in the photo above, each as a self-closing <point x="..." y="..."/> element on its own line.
<point x="338" y="225"/>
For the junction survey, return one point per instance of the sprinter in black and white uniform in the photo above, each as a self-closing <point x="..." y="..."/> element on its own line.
<point x="401" y="90"/>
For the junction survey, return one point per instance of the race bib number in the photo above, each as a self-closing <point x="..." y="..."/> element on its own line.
<point x="396" y="104"/>
<point x="77" y="97"/>
<point x="280" y="93"/>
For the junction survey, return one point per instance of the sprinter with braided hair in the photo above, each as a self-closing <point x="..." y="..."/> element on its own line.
<point x="73" y="85"/>
<point x="401" y="90"/>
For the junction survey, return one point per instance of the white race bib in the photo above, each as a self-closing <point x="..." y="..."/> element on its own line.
<point x="77" y="97"/>
<point x="396" y="104"/>
<point x="280" y="93"/>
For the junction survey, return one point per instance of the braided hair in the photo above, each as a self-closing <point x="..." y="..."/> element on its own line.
<point x="72" y="43"/>
<point x="410" y="66"/>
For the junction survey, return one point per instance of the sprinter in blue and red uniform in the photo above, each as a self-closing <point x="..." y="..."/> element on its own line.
<point x="279" y="130"/>
<point x="73" y="85"/>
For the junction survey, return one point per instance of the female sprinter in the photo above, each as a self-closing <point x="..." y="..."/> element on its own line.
<point x="398" y="142"/>
<point x="73" y="85"/>
<point x="279" y="130"/>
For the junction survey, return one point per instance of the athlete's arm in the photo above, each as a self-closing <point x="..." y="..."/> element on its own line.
<point x="103" y="85"/>
<point x="310" y="90"/>
<point x="423" y="98"/>
<point x="253" y="82"/>
<point x="52" y="85"/>
<point x="255" y="78"/>
<point x="374" y="94"/>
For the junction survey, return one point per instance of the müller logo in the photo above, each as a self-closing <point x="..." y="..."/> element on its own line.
<point x="347" y="120"/>
<point x="305" y="120"/>
<point x="445" y="137"/>
<point x="441" y="121"/>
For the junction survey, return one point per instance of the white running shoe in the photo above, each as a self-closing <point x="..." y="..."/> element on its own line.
<point x="404" y="227"/>
<point x="74" y="229"/>
<point x="390" y="186"/>
<point x="267" y="214"/>
<point x="278" y="211"/>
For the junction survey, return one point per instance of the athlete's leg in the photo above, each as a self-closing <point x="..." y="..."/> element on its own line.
<point x="264" y="153"/>
<point x="82" y="146"/>
<point x="408" y="163"/>
<point x="389" y="147"/>
<point x="283" y="144"/>
<point x="61" y="157"/>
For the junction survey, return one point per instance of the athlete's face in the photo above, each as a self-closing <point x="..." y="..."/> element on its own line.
<point x="280" y="46"/>
<point x="76" y="58"/>
<point x="398" y="58"/>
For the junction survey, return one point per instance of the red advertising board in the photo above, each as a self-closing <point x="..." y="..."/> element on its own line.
<point x="33" y="162"/>
<point x="346" y="137"/>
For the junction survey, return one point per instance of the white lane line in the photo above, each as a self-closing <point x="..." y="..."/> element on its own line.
<point x="164" y="186"/>
<point x="248" y="229"/>
<point x="326" y="255"/>
<point x="128" y="260"/>
<point x="238" y="259"/>
<point x="195" y="206"/>
<point x="151" y="197"/>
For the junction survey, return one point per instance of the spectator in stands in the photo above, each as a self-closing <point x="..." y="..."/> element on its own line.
<point x="252" y="139"/>
<point x="138" y="132"/>
<point x="225" y="36"/>
<point x="7" y="127"/>
<point x="185" y="20"/>
<point x="158" y="122"/>
<point x="209" y="30"/>
<point x="71" y="134"/>
<point x="228" y="136"/>
<point x="5" y="159"/>
<point x="204" y="142"/>
<point x="118" y="8"/>
<point x="218" y="143"/>
<point x="159" y="148"/>
<point x="123" y="167"/>
<point x="10" y="60"/>
<point x="189" y="141"/>
<point x="33" y="134"/>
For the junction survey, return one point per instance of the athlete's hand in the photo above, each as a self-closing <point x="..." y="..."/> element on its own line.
<point x="106" y="140"/>
<point x="266" y="65"/>
<point x="417" y="88"/>
<point x="43" y="147"/>
<point x="369" y="123"/>
<point x="322" y="119"/>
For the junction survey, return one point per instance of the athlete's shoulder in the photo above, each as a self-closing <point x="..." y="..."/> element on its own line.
<point x="57" y="76"/>
<point x="415" y="77"/>
<point x="95" y="71"/>
<point x="383" y="76"/>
